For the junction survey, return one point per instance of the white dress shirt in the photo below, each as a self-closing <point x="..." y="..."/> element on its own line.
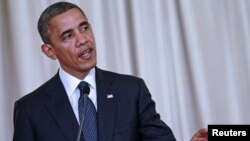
<point x="70" y="84"/>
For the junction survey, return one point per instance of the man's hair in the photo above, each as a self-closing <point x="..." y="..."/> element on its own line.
<point x="50" y="12"/>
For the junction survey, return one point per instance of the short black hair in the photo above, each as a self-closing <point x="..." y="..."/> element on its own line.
<point x="50" y="12"/>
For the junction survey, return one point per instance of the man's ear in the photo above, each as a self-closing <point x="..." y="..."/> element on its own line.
<point x="48" y="50"/>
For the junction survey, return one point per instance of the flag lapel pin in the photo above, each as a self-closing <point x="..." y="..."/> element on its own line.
<point x="109" y="96"/>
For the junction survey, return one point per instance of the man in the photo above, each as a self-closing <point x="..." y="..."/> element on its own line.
<point x="125" y="110"/>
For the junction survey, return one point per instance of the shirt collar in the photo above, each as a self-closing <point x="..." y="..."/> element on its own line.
<point x="70" y="82"/>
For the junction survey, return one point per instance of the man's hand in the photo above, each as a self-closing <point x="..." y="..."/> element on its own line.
<point x="200" y="135"/>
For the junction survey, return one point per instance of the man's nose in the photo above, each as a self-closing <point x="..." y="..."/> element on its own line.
<point x="81" y="39"/>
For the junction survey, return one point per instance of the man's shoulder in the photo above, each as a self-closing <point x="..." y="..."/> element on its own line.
<point x="39" y="93"/>
<point x="120" y="80"/>
<point x="117" y="76"/>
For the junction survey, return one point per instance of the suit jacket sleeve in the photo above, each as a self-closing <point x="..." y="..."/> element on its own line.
<point x="151" y="126"/>
<point x="22" y="126"/>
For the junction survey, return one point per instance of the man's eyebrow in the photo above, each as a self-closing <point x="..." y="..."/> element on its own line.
<point x="70" y="30"/>
<point x="65" y="32"/>
<point x="84" y="23"/>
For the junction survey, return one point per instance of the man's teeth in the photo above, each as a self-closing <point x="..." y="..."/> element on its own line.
<point x="86" y="51"/>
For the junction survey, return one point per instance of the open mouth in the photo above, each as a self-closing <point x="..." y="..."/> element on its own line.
<point x="86" y="53"/>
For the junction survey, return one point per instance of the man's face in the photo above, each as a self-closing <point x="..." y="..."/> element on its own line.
<point x="73" y="43"/>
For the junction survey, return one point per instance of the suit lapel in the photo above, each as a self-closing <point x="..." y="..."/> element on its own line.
<point x="106" y="101"/>
<point x="61" y="110"/>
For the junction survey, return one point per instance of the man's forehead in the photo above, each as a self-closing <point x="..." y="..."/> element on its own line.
<point x="68" y="18"/>
<point x="74" y="12"/>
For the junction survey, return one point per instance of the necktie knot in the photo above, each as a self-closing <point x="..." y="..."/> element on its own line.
<point x="83" y="87"/>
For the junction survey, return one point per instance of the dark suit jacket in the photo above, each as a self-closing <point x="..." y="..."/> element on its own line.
<point x="46" y="114"/>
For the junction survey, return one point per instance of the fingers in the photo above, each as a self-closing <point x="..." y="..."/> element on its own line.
<point x="203" y="132"/>
<point x="200" y="135"/>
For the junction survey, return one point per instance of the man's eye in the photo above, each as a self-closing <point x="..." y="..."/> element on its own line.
<point x="67" y="36"/>
<point x="83" y="28"/>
